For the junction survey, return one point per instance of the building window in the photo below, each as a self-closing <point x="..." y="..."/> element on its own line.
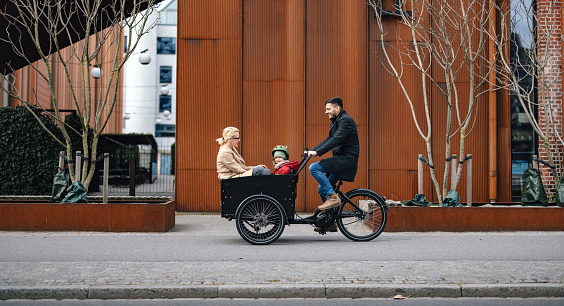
<point x="166" y="45"/>
<point x="168" y="14"/>
<point x="165" y="103"/>
<point x="523" y="138"/>
<point x="166" y="74"/>
<point x="165" y="130"/>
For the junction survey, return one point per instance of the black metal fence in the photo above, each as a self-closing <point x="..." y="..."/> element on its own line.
<point x="151" y="164"/>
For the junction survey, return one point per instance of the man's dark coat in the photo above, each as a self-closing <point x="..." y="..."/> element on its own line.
<point x="343" y="140"/>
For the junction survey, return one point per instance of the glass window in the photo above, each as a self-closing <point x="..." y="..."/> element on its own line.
<point x="166" y="74"/>
<point x="165" y="130"/>
<point x="166" y="45"/>
<point x="165" y="103"/>
<point x="523" y="138"/>
<point x="168" y="14"/>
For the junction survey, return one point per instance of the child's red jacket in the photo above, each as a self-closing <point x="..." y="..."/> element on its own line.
<point x="288" y="167"/>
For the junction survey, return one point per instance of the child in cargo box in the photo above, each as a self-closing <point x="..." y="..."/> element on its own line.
<point x="281" y="163"/>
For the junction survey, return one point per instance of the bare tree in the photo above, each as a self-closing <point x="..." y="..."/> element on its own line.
<point x="532" y="69"/>
<point x="447" y="44"/>
<point x="98" y="28"/>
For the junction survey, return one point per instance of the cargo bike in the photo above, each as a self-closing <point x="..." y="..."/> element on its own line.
<point x="263" y="205"/>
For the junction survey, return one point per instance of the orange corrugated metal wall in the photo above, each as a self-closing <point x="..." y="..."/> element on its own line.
<point x="209" y="97"/>
<point x="267" y="67"/>
<point x="34" y="88"/>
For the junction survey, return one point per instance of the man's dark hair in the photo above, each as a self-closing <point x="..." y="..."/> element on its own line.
<point x="335" y="101"/>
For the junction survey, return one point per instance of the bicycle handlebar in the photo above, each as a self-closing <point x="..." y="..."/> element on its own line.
<point x="305" y="158"/>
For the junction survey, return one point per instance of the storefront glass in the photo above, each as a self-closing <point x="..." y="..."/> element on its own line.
<point x="523" y="138"/>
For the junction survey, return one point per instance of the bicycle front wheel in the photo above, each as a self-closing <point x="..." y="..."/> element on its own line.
<point x="366" y="223"/>
<point x="260" y="220"/>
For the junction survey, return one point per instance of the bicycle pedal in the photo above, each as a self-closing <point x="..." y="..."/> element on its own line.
<point x="324" y="230"/>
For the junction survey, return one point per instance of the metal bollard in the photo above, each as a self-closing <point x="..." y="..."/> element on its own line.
<point x="469" y="180"/>
<point x="420" y="174"/>
<point x="78" y="167"/>
<point x="106" y="177"/>
<point x="132" y="177"/>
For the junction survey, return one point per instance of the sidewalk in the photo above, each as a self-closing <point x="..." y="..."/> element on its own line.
<point x="118" y="279"/>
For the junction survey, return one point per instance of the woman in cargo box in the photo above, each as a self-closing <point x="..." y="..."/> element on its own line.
<point x="281" y="163"/>
<point x="230" y="164"/>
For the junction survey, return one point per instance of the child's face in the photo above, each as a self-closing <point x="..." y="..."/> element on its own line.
<point x="278" y="159"/>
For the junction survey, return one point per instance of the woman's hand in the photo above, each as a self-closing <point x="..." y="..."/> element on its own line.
<point x="311" y="153"/>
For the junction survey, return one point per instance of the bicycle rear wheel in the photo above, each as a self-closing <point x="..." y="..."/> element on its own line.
<point x="367" y="223"/>
<point x="260" y="220"/>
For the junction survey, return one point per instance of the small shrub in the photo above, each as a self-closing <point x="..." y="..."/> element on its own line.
<point x="29" y="154"/>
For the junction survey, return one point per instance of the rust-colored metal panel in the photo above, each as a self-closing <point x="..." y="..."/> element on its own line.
<point x="94" y="217"/>
<point x="394" y="139"/>
<point x="199" y="190"/>
<point x="475" y="143"/>
<point x="274" y="40"/>
<point x="336" y="56"/>
<point x="397" y="185"/>
<point x="209" y="100"/>
<point x="503" y="147"/>
<point x="210" y="19"/>
<point x="41" y="88"/>
<point x="112" y="217"/>
<point x="402" y="154"/>
<point x="29" y="83"/>
<point x="449" y="219"/>
<point x="209" y="67"/>
<point x="44" y="216"/>
<point x="392" y="29"/>
<point x="144" y="217"/>
<point x="273" y="81"/>
<point x="336" y="51"/>
<point x="274" y="113"/>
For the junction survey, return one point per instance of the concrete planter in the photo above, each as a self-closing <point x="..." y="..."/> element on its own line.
<point x="125" y="214"/>
<point x="467" y="219"/>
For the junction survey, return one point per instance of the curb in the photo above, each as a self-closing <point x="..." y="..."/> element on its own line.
<point x="513" y="290"/>
<point x="282" y="291"/>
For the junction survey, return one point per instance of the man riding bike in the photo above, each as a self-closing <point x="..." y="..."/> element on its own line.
<point x="343" y="141"/>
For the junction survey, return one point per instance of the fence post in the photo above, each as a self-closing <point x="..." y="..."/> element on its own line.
<point x="132" y="177"/>
<point x="61" y="160"/>
<point x="106" y="175"/>
<point x="535" y="163"/>
<point x="78" y="167"/>
<point x="452" y="171"/>
<point x="469" y="180"/>
<point x="420" y="174"/>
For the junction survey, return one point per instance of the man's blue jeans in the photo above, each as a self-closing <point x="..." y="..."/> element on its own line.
<point x="325" y="182"/>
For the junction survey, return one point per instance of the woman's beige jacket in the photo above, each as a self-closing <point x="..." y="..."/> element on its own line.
<point x="230" y="164"/>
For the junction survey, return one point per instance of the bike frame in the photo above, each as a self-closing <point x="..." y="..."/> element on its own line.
<point x="312" y="219"/>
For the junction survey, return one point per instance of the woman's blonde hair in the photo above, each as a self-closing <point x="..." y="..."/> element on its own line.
<point x="228" y="132"/>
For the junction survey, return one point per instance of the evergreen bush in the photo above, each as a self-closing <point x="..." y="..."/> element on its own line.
<point x="29" y="155"/>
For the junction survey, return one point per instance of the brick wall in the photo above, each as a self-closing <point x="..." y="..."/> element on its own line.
<point x="550" y="86"/>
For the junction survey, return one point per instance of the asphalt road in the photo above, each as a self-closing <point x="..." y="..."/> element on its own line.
<point x="211" y="238"/>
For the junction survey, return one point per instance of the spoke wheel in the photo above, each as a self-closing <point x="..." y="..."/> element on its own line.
<point x="260" y="220"/>
<point x="365" y="224"/>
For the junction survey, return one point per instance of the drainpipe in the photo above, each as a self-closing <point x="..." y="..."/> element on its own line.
<point x="492" y="118"/>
